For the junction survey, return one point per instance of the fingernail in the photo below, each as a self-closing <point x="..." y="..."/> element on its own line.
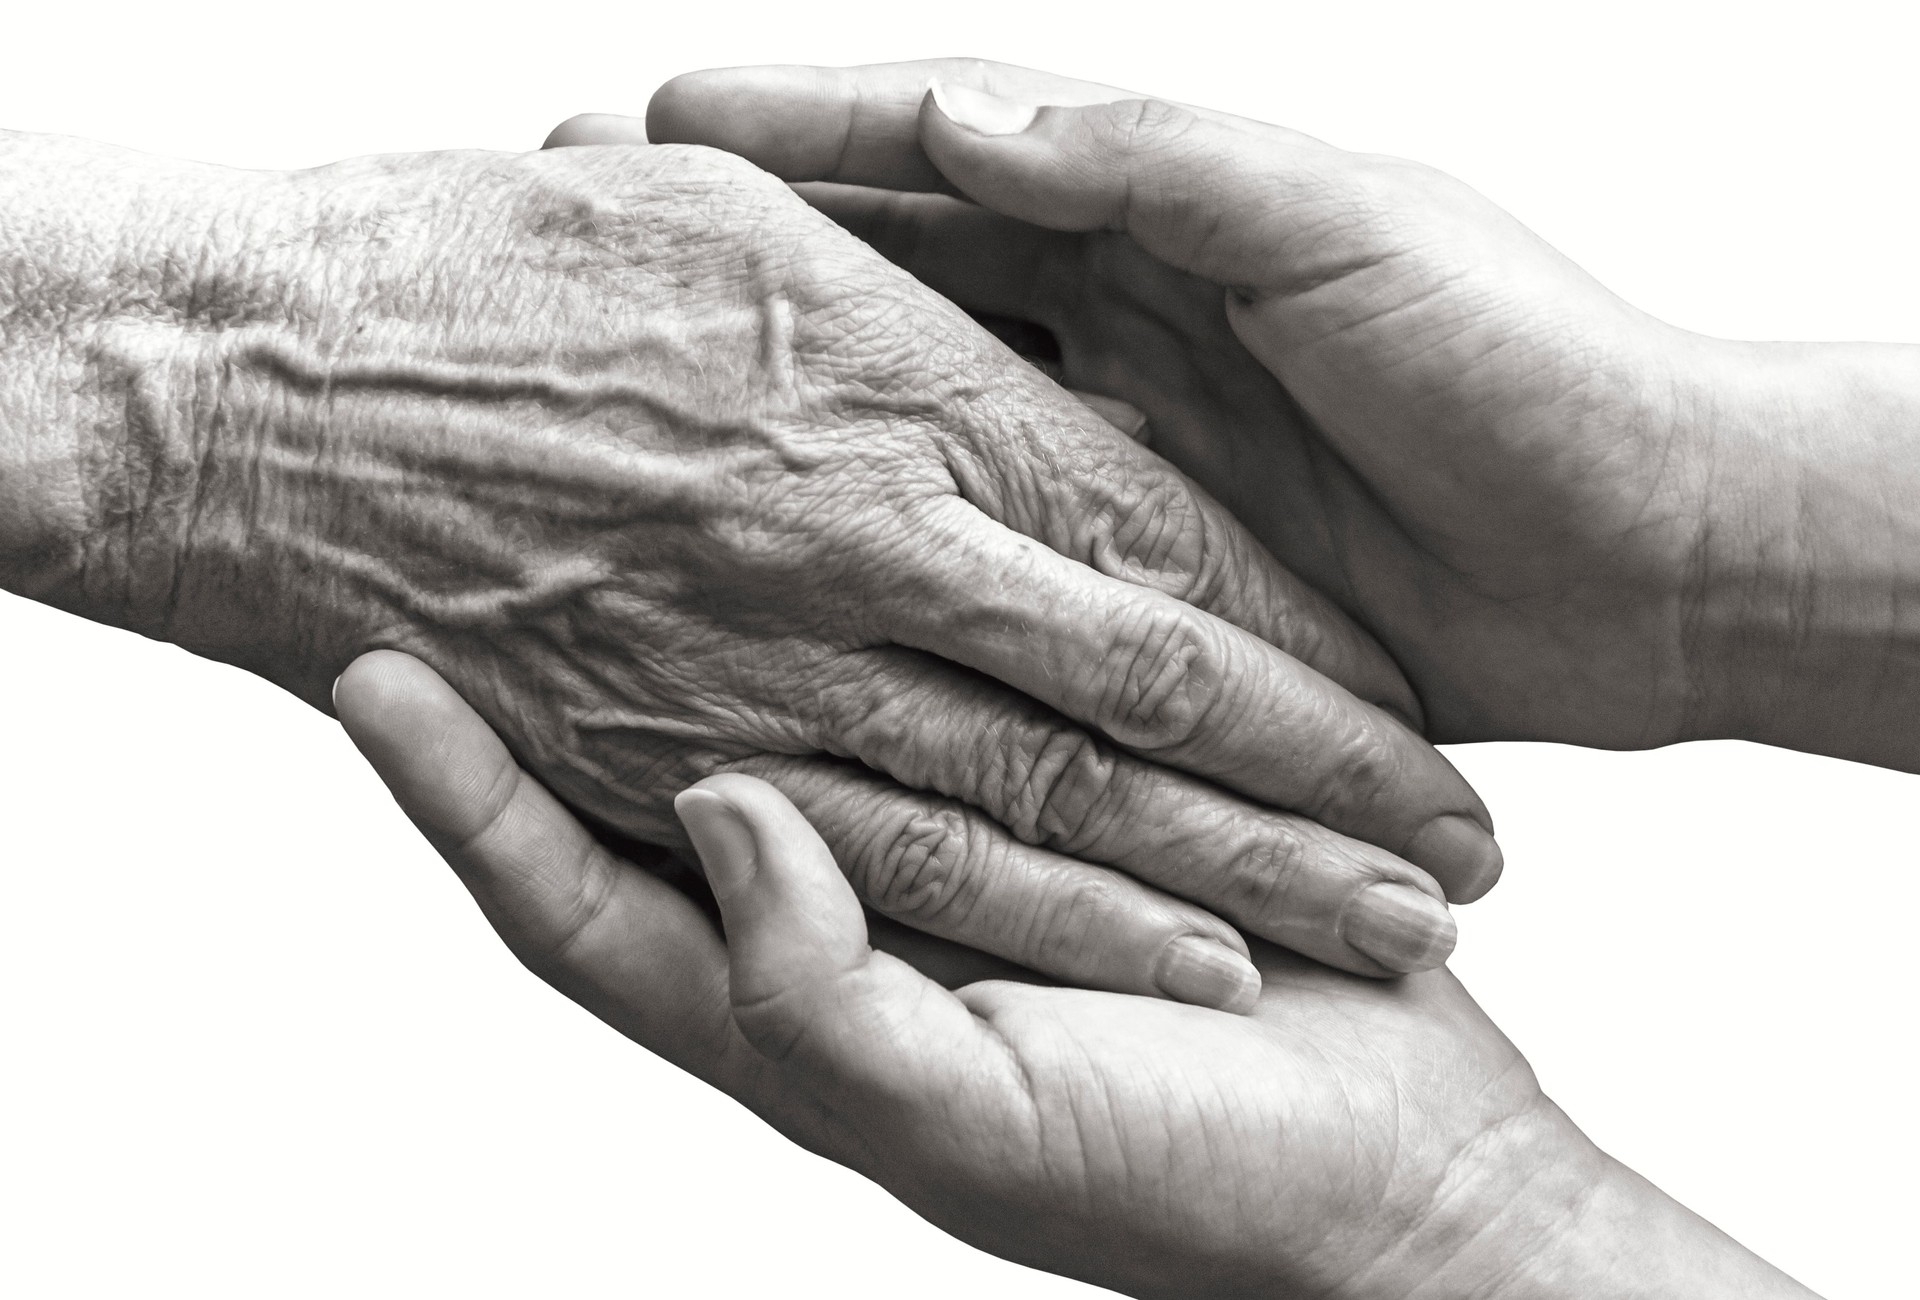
<point x="1207" y="974"/>
<point x="333" y="695"/>
<point x="978" y="111"/>
<point x="1459" y="850"/>
<point x="1399" y="927"/>
<point x="720" y="835"/>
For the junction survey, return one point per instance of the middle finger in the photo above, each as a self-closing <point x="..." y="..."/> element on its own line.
<point x="1047" y="781"/>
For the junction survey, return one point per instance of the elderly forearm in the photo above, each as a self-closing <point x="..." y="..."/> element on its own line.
<point x="64" y="472"/>
<point x="108" y="269"/>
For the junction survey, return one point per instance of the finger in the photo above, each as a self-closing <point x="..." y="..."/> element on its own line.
<point x="1050" y="783"/>
<point x="1237" y="202"/>
<point x="948" y="870"/>
<point x="807" y="990"/>
<point x="626" y="945"/>
<point x="596" y="128"/>
<point x="1168" y="682"/>
<point x="853" y="125"/>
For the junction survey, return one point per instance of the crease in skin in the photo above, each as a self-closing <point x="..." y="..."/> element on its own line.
<point x="193" y="527"/>
<point x="142" y="511"/>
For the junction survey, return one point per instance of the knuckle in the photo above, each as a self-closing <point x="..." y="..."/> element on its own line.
<point x="1155" y="690"/>
<point x="1136" y="124"/>
<point x="924" y="872"/>
<point x="1260" y="885"/>
<point x="1355" y="772"/>
<point x="775" y="1023"/>
<point x="1071" y="923"/>
<point x="894" y="224"/>
<point x="1155" y="536"/>
<point x="565" y="196"/>
<point x="495" y="795"/>
<point x="1059" y="789"/>
<point x="551" y="953"/>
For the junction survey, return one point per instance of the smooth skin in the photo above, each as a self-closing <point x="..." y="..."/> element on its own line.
<point x="1565" y="520"/>
<point x="671" y="476"/>
<point x="1365" y="1139"/>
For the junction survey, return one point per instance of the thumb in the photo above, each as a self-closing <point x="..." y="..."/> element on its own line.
<point x="808" y="991"/>
<point x="1258" y="207"/>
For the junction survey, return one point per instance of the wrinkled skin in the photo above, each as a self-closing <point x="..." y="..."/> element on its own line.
<point x="1566" y="520"/>
<point x="670" y="476"/>
<point x="1373" y="1140"/>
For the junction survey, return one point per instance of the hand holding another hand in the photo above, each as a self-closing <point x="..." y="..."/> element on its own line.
<point x="1566" y="520"/>
<point x="1375" y="1140"/>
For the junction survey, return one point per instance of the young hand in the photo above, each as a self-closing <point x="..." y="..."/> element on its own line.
<point x="1349" y="1137"/>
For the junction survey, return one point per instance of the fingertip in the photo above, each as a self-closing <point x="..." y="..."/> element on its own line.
<point x="1200" y="970"/>
<point x="382" y="689"/>
<point x="676" y="105"/>
<point x="775" y="832"/>
<point x="726" y="844"/>
<point x="596" y="128"/>
<point x="976" y="111"/>
<point x="713" y="105"/>
<point x="1493" y="864"/>
<point x="1460" y="853"/>
<point x="748" y="798"/>
<point x="1403" y="928"/>
<point x="442" y="762"/>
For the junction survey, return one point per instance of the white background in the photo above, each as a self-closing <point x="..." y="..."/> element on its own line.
<point x="258" y="1043"/>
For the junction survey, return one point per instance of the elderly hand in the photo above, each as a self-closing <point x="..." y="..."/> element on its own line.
<point x="1349" y="1138"/>
<point x="1564" y="519"/>
<point x="670" y="476"/>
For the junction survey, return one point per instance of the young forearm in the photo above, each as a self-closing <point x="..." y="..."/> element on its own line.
<point x="1540" y="1213"/>
<point x="1629" y="1239"/>
<point x="1808" y="635"/>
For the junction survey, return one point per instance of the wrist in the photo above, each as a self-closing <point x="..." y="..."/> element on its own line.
<point x="1540" y="1213"/>
<point x="102" y="267"/>
<point x="1506" y="1204"/>
<point x="1804" y="627"/>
